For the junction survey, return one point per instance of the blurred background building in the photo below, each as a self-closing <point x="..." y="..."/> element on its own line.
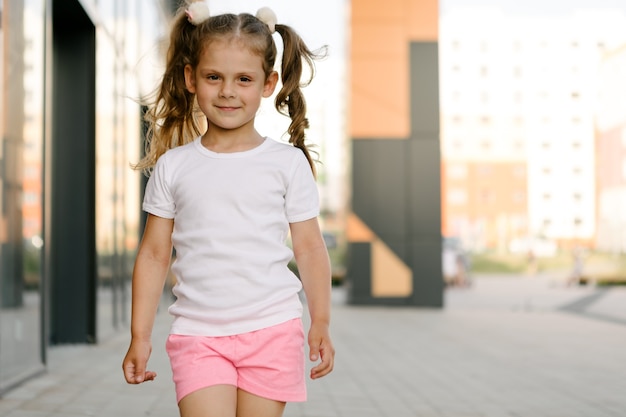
<point x="394" y="225"/>
<point x="519" y="126"/>
<point x="519" y="122"/>
<point x="73" y="73"/>
<point x="611" y="151"/>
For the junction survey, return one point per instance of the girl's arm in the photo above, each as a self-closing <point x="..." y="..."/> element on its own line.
<point x="151" y="267"/>
<point x="314" y="268"/>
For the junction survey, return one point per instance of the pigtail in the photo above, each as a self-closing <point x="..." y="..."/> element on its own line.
<point x="290" y="100"/>
<point x="171" y="118"/>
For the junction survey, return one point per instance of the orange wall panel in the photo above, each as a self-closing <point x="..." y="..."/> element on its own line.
<point x="378" y="40"/>
<point x="381" y="37"/>
<point x="377" y="11"/>
<point x="423" y="20"/>
<point x="380" y="97"/>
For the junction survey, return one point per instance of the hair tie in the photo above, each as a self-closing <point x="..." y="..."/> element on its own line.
<point x="267" y="16"/>
<point x="197" y="12"/>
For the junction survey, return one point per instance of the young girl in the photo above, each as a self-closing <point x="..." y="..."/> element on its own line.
<point x="227" y="200"/>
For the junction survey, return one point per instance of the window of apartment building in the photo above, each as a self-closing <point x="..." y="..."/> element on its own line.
<point x="546" y="197"/>
<point x="457" y="196"/>
<point x="32" y="172"/>
<point x="575" y="95"/>
<point x="457" y="120"/>
<point x="483" y="169"/>
<point x="577" y="197"/>
<point x="456" y="45"/>
<point x="484" y="97"/>
<point x="545" y="145"/>
<point x="30" y="198"/>
<point x="517" y="97"/>
<point x="519" y="196"/>
<point x="518" y="144"/>
<point x="577" y="170"/>
<point x="487" y="196"/>
<point x="485" y="120"/>
<point x="517" y="46"/>
<point x="576" y="144"/>
<point x="484" y="46"/>
<point x="519" y="171"/>
<point x="576" y="120"/>
<point x="485" y="144"/>
<point x="484" y="72"/>
<point x="457" y="171"/>
<point x="517" y="72"/>
<point x="575" y="44"/>
<point x="546" y="170"/>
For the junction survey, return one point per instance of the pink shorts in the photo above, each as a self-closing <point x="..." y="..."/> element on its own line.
<point x="268" y="363"/>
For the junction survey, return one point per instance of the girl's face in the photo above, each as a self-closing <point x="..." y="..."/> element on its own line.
<point x="229" y="84"/>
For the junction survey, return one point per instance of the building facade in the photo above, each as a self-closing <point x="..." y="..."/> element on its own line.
<point x="519" y="102"/>
<point x="394" y="227"/>
<point x="73" y="73"/>
<point x="611" y="152"/>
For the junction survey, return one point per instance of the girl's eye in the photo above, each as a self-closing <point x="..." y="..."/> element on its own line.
<point x="245" y="79"/>
<point x="212" y="77"/>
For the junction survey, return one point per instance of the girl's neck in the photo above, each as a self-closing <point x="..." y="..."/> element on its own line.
<point x="229" y="141"/>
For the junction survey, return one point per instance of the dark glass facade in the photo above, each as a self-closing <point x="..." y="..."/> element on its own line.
<point x="73" y="73"/>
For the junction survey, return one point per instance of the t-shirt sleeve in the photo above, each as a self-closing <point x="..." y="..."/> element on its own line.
<point x="302" y="199"/>
<point x="157" y="199"/>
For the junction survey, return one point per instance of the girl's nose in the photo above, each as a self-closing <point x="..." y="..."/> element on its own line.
<point x="227" y="90"/>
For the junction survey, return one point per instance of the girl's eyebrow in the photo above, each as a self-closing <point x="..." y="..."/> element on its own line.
<point x="242" y="72"/>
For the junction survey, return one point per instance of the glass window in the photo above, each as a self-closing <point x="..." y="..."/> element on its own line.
<point x="457" y="196"/>
<point x="458" y="171"/>
<point x="21" y="156"/>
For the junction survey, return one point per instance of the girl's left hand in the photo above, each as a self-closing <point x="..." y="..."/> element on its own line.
<point x="134" y="365"/>
<point x="321" y="347"/>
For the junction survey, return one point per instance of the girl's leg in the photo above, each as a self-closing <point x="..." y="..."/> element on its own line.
<point x="250" y="405"/>
<point x="214" y="401"/>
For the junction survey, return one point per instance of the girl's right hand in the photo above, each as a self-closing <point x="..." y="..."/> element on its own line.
<point x="134" y="365"/>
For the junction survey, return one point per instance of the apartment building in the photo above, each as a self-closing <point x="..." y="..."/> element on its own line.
<point x="611" y="152"/>
<point x="394" y="227"/>
<point x="517" y="100"/>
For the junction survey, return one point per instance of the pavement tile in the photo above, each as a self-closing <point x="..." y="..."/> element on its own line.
<point x="499" y="349"/>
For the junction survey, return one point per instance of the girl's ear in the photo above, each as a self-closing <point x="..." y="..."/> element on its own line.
<point x="190" y="80"/>
<point x="270" y="84"/>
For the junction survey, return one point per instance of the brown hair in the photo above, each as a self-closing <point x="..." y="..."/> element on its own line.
<point x="173" y="118"/>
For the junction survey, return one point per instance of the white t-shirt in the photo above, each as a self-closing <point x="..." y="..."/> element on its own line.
<point x="231" y="216"/>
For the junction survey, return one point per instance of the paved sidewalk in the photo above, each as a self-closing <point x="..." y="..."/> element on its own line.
<point x="504" y="348"/>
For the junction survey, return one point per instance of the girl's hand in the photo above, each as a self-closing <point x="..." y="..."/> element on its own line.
<point x="134" y="365"/>
<point x="321" y="347"/>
